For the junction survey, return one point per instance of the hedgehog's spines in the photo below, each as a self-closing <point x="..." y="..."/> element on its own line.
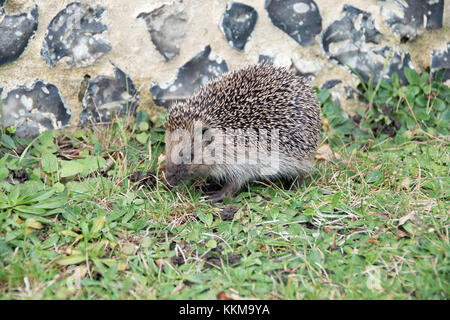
<point x="258" y="97"/>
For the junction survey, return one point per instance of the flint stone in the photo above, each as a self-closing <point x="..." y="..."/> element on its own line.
<point x="300" y="19"/>
<point x="195" y="73"/>
<point x="416" y="15"/>
<point x="238" y="23"/>
<point x="346" y="96"/>
<point x="278" y="59"/>
<point x="166" y="26"/>
<point x="301" y="68"/>
<point x="358" y="48"/>
<point x="108" y="96"/>
<point x="15" y="33"/>
<point x="331" y="84"/>
<point x="440" y="63"/>
<point x="305" y="68"/>
<point x="76" y="33"/>
<point x="264" y="58"/>
<point x="32" y="111"/>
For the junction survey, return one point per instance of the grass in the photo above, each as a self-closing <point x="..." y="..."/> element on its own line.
<point x="369" y="224"/>
<point x="82" y="215"/>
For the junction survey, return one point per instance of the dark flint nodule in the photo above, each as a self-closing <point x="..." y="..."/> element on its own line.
<point x="193" y="74"/>
<point x="108" y="96"/>
<point x="15" y="33"/>
<point x="359" y="49"/>
<point x="331" y="84"/>
<point x="76" y="33"/>
<point x="417" y="15"/>
<point x="263" y="58"/>
<point x="32" y="111"/>
<point x="238" y="23"/>
<point x="167" y="25"/>
<point x="440" y="63"/>
<point x="345" y="29"/>
<point x="300" y="19"/>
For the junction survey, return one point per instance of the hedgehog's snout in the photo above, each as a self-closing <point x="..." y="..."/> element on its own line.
<point x="175" y="174"/>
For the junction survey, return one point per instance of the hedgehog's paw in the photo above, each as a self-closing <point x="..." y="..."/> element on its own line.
<point x="228" y="190"/>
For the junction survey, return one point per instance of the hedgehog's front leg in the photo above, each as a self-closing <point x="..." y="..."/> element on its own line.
<point x="228" y="190"/>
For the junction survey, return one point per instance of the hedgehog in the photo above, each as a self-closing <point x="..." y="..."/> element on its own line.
<point x="260" y="122"/>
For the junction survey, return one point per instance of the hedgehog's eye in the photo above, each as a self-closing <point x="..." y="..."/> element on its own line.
<point x="185" y="156"/>
<point x="207" y="137"/>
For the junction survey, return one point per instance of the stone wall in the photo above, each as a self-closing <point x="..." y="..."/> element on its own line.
<point x="76" y="63"/>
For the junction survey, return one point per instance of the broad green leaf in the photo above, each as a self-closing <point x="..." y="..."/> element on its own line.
<point x="323" y="95"/>
<point x="410" y="123"/>
<point x="335" y="199"/>
<point x="70" y="168"/>
<point x="29" y="209"/>
<point x="80" y="133"/>
<point x="14" y="194"/>
<point x="31" y="189"/>
<point x="33" y="223"/>
<point x="98" y="224"/>
<point x="386" y="85"/>
<point x="69" y="233"/>
<point x="141" y="116"/>
<point x="421" y="101"/>
<point x="421" y="115"/>
<point x="211" y="244"/>
<point x="8" y="141"/>
<point x="82" y="167"/>
<point x="423" y="79"/>
<point x="49" y="163"/>
<point x="142" y="137"/>
<point x="50" y="242"/>
<point x="91" y="164"/>
<point x="79" y="187"/>
<point x="427" y="89"/>
<point x="439" y="105"/>
<point x="40" y="196"/>
<point x="52" y="203"/>
<point x="143" y="126"/>
<point x="59" y="187"/>
<point x="4" y="172"/>
<point x="73" y="259"/>
<point x="411" y="76"/>
<point x="395" y="81"/>
<point x="374" y="176"/>
<point x="205" y="218"/>
<point x="47" y="144"/>
<point x="412" y="91"/>
<point x="98" y="148"/>
<point x="4" y="205"/>
<point x="13" y="234"/>
<point x="116" y="215"/>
